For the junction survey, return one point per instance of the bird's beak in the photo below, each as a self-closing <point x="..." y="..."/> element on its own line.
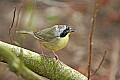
<point x="72" y="30"/>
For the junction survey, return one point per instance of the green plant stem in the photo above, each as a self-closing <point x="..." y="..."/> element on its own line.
<point x="16" y="65"/>
<point x="47" y="67"/>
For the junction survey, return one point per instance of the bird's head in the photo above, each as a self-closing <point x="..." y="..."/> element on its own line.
<point x="63" y="30"/>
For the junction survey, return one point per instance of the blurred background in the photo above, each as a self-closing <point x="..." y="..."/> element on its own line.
<point x="40" y="14"/>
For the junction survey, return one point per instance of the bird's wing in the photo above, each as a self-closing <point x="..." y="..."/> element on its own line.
<point x="45" y="35"/>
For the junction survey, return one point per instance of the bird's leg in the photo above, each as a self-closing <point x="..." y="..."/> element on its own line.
<point x="56" y="56"/>
<point x="40" y="46"/>
<point x="43" y="52"/>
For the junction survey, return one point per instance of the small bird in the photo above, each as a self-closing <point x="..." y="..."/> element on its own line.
<point x="54" y="38"/>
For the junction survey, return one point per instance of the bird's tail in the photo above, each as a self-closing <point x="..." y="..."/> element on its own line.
<point x="26" y="32"/>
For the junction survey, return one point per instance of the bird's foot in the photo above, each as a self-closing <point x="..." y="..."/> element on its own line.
<point x="43" y="54"/>
<point x="57" y="59"/>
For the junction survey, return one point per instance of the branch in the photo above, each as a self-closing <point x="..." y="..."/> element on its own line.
<point x="91" y="36"/>
<point x="47" y="67"/>
<point x="100" y="63"/>
<point x="10" y="28"/>
<point x="16" y="65"/>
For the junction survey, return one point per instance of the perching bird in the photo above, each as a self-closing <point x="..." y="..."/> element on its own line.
<point x="54" y="38"/>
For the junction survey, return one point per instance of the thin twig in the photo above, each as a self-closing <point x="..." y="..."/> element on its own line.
<point x="16" y="25"/>
<point x="100" y="63"/>
<point x="91" y="36"/>
<point x="18" y="15"/>
<point x="10" y="28"/>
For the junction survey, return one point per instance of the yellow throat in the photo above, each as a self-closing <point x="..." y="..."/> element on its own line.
<point x="56" y="44"/>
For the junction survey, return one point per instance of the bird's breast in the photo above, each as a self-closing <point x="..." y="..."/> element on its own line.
<point x="56" y="44"/>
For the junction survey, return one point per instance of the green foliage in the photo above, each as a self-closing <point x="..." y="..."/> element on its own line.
<point x="52" y="19"/>
<point x="30" y="9"/>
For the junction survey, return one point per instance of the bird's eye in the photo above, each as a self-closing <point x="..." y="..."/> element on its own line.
<point x="65" y="31"/>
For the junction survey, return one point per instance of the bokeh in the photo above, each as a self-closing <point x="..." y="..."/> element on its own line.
<point x="39" y="14"/>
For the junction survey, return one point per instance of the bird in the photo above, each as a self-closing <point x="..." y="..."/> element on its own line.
<point x="53" y="39"/>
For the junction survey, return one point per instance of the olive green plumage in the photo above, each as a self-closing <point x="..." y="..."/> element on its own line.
<point x="54" y="38"/>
